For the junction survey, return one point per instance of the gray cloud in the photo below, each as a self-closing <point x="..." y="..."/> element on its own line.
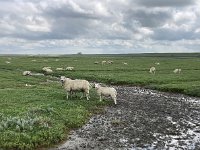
<point x="165" y="3"/>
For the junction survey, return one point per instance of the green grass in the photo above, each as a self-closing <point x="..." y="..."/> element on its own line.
<point x="40" y="116"/>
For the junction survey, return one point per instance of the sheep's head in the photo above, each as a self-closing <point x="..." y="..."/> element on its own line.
<point x="96" y="85"/>
<point x="62" y="79"/>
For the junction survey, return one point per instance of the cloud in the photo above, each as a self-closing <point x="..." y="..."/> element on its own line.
<point x="106" y="26"/>
<point x="167" y="3"/>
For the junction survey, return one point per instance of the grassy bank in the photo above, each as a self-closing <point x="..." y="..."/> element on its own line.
<point x="40" y="115"/>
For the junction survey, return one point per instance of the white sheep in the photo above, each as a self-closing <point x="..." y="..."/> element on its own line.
<point x="70" y="68"/>
<point x="157" y="63"/>
<point x="75" y="85"/>
<point x="7" y="62"/>
<point x="103" y="62"/>
<point x="152" y="70"/>
<point x="96" y="62"/>
<point x="106" y="91"/>
<point x="110" y="62"/>
<point x="47" y="69"/>
<point x="60" y="69"/>
<point x="177" y="71"/>
<point x="125" y="63"/>
<point x="27" y="73"/>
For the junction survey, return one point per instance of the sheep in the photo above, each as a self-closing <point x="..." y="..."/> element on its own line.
<point x="152" y="70"/>
<point x="60" y="69"/>
<point x="177" y="71"/>
<point x="7" y="62"/>
<point x="96" y="62"/>
<point x="106" y="91"/>
<point x="125" y="63"/>
<point x="157" y="63"/>
<point x="70" y="68"/>
<point x="75" y="85"/>
<point x="103" y="62"/>
<point x="27" y="73"/>
<point x="28" y="85"/>
<point x="47" y="69"/>
<point x="110" y="62"/>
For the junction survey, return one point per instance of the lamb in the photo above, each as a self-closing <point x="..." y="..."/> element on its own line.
<point x="70" y="68"/>
<point x="27" y="73"/>
<point x="177" y="71"/>
<point x="106" y="91"/>
<point x="152" y="70"/>
<point x="75" y="85"/>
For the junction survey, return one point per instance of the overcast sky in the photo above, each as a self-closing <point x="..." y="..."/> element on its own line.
<point x="99" y="26"/>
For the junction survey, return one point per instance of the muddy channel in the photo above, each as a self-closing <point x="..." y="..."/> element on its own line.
<point x="142" y="119"/>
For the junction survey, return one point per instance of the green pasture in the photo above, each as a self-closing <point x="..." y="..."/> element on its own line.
<point x="39" y="115"/>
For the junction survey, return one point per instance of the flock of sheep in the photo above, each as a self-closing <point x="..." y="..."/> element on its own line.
<point x="79" y="85"/>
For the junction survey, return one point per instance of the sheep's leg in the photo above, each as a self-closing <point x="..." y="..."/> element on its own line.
<point x="67" y="95"/>
<point x="82" y="95"/>
<point x="87" y="96"/>
<point x="115" y="101"/>
<point x="100" y="98"/>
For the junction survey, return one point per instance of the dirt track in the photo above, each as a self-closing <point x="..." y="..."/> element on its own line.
<point x="142" y="119"/>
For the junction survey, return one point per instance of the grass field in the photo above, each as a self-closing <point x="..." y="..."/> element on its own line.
<point x="40" y="115"/>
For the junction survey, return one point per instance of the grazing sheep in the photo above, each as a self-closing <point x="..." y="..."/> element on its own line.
<point x="70" y="68"/>
<point x="28" y="85"/>
<point x="152" y="70"/>
<point x="157" y="63"/>
<point x="7" y="62"/>
<point x="75" y="85"/>
<point x="103" y="62"/>
<point x="47" y="69"/>
<point x="110" y="62"/>
<point x="177" y="71"/>
<point x="27" y="73"/>
<point x="125" y="63"/>
<point x="96" y="62"/>
<point x="60" y="69"/>
<point x="106" y="91"/>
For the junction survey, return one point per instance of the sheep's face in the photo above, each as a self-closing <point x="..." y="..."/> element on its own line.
<point x="96" y="86"/>
<point x="62" y="79"/>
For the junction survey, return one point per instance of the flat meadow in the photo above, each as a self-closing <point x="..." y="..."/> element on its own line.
<point x="39" y="115"/>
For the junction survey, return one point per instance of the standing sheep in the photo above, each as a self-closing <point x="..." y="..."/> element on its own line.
<point x="75" y="85"/>
<point x="106" y="91"/>
<point x="152" y="70"/>
<point x="177" y="71"/>
<point x="103" y="62"/>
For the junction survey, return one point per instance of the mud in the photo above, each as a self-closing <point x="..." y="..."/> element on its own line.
<point x="142" y="119"/>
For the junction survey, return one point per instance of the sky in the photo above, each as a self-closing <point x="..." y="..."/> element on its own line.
<point x="99" y="26"/>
